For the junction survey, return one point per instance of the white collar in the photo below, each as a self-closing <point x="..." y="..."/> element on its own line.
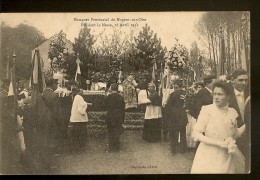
<point x="238" y="92"/>
<point x="225" y="108"/>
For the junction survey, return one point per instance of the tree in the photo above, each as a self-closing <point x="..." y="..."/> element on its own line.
<point x="196" y="60"/>
<point x="194" y="53"/>
<point x="84" y="46"/>
<point x="57" y="51"/>
<point x="148" y="48"/>
<point x="115" y="50"/>
<point x="231" y="24"/>
<point x="22" y="38"/>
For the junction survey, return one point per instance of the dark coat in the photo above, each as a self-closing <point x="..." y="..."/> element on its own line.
<point x="247" y="118"/>
<point x="115" y="106"/>
<point x="29" y="116"/>
<point x="247" y="146"/>
<point x="242" y="141"/>
<point x="175" y="111"/>
<point x="142" y="85"/>
<point x="49" y="125"/>
<point x="202" y="98"/>
<point x="155" y="99"/>
<point x="233" y="103"/>
<point x="7" y="123"/>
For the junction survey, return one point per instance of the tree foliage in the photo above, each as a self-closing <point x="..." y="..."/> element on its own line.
<point x="84" y="47"/>
<point x="148" y="48"/>
<point x="208" y="28"/>
<point x="22" y="38"/>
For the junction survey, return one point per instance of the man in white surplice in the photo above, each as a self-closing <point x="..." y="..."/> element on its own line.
<point x="78" y="121"/>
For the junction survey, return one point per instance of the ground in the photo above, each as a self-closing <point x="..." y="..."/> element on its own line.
<point x="135" y="157"/>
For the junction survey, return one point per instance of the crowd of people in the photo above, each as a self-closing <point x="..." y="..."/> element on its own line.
<point x="216" y="111"/>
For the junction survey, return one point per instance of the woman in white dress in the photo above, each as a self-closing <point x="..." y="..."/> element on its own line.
<point x="216" y="129"/>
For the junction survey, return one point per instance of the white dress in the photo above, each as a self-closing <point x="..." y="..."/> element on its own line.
<point x="217" y="124"/>
<point x="189" y="130"/>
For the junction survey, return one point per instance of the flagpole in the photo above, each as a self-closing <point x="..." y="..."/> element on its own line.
<point x="222" y="52"/>
<point x="7" y="67"/>
<point x="14" y="87"/>
<point x="161" y="78"/>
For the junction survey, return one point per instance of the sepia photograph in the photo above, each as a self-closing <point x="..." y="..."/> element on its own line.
<point x="104" y="93"/>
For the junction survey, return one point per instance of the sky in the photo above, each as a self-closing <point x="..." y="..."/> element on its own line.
<point x="167" y="25"/>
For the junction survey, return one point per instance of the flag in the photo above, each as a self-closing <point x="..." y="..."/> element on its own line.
<point x="161" y="84"/>
<point x="162" y="79"/>
<point x="11" y="89"/>
<point x="12" y="92"/>
<point x="194" y="74"/>
<point x="154" y="72"/>
<point x="120" y="76"/>
<point x="37" y="79"/>
<point x="243" y="53"/>
<point x="78" y="68"/>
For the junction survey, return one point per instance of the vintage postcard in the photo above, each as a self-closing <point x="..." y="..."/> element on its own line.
<point x="125" y="93"/>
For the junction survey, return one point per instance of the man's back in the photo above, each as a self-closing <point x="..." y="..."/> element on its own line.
<point x="49" y="117"/>
<point x="205" y="97"/>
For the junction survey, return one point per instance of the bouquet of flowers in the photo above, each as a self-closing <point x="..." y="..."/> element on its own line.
<point x="177" y="58"/>
<point x="231" y="144"/>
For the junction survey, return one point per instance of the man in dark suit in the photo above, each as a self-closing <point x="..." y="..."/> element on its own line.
<point x="115" y="117"/>
<point x="49" y="124"/>
<point x="239" y="79"/>
<point x="177" y="117"/>
<point x="247" y="118"/>
<point x="202" y="98"/>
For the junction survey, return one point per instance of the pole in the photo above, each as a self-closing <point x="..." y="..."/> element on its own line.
<point x="161" y="78"/>
<point x="17" y="119"/>
<point x="7" y="67"/>
<point x="222" y="52"/>
<point x="14" y="87"/>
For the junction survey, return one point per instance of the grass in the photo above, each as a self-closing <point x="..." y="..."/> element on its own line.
<point x="135" y="157"/>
